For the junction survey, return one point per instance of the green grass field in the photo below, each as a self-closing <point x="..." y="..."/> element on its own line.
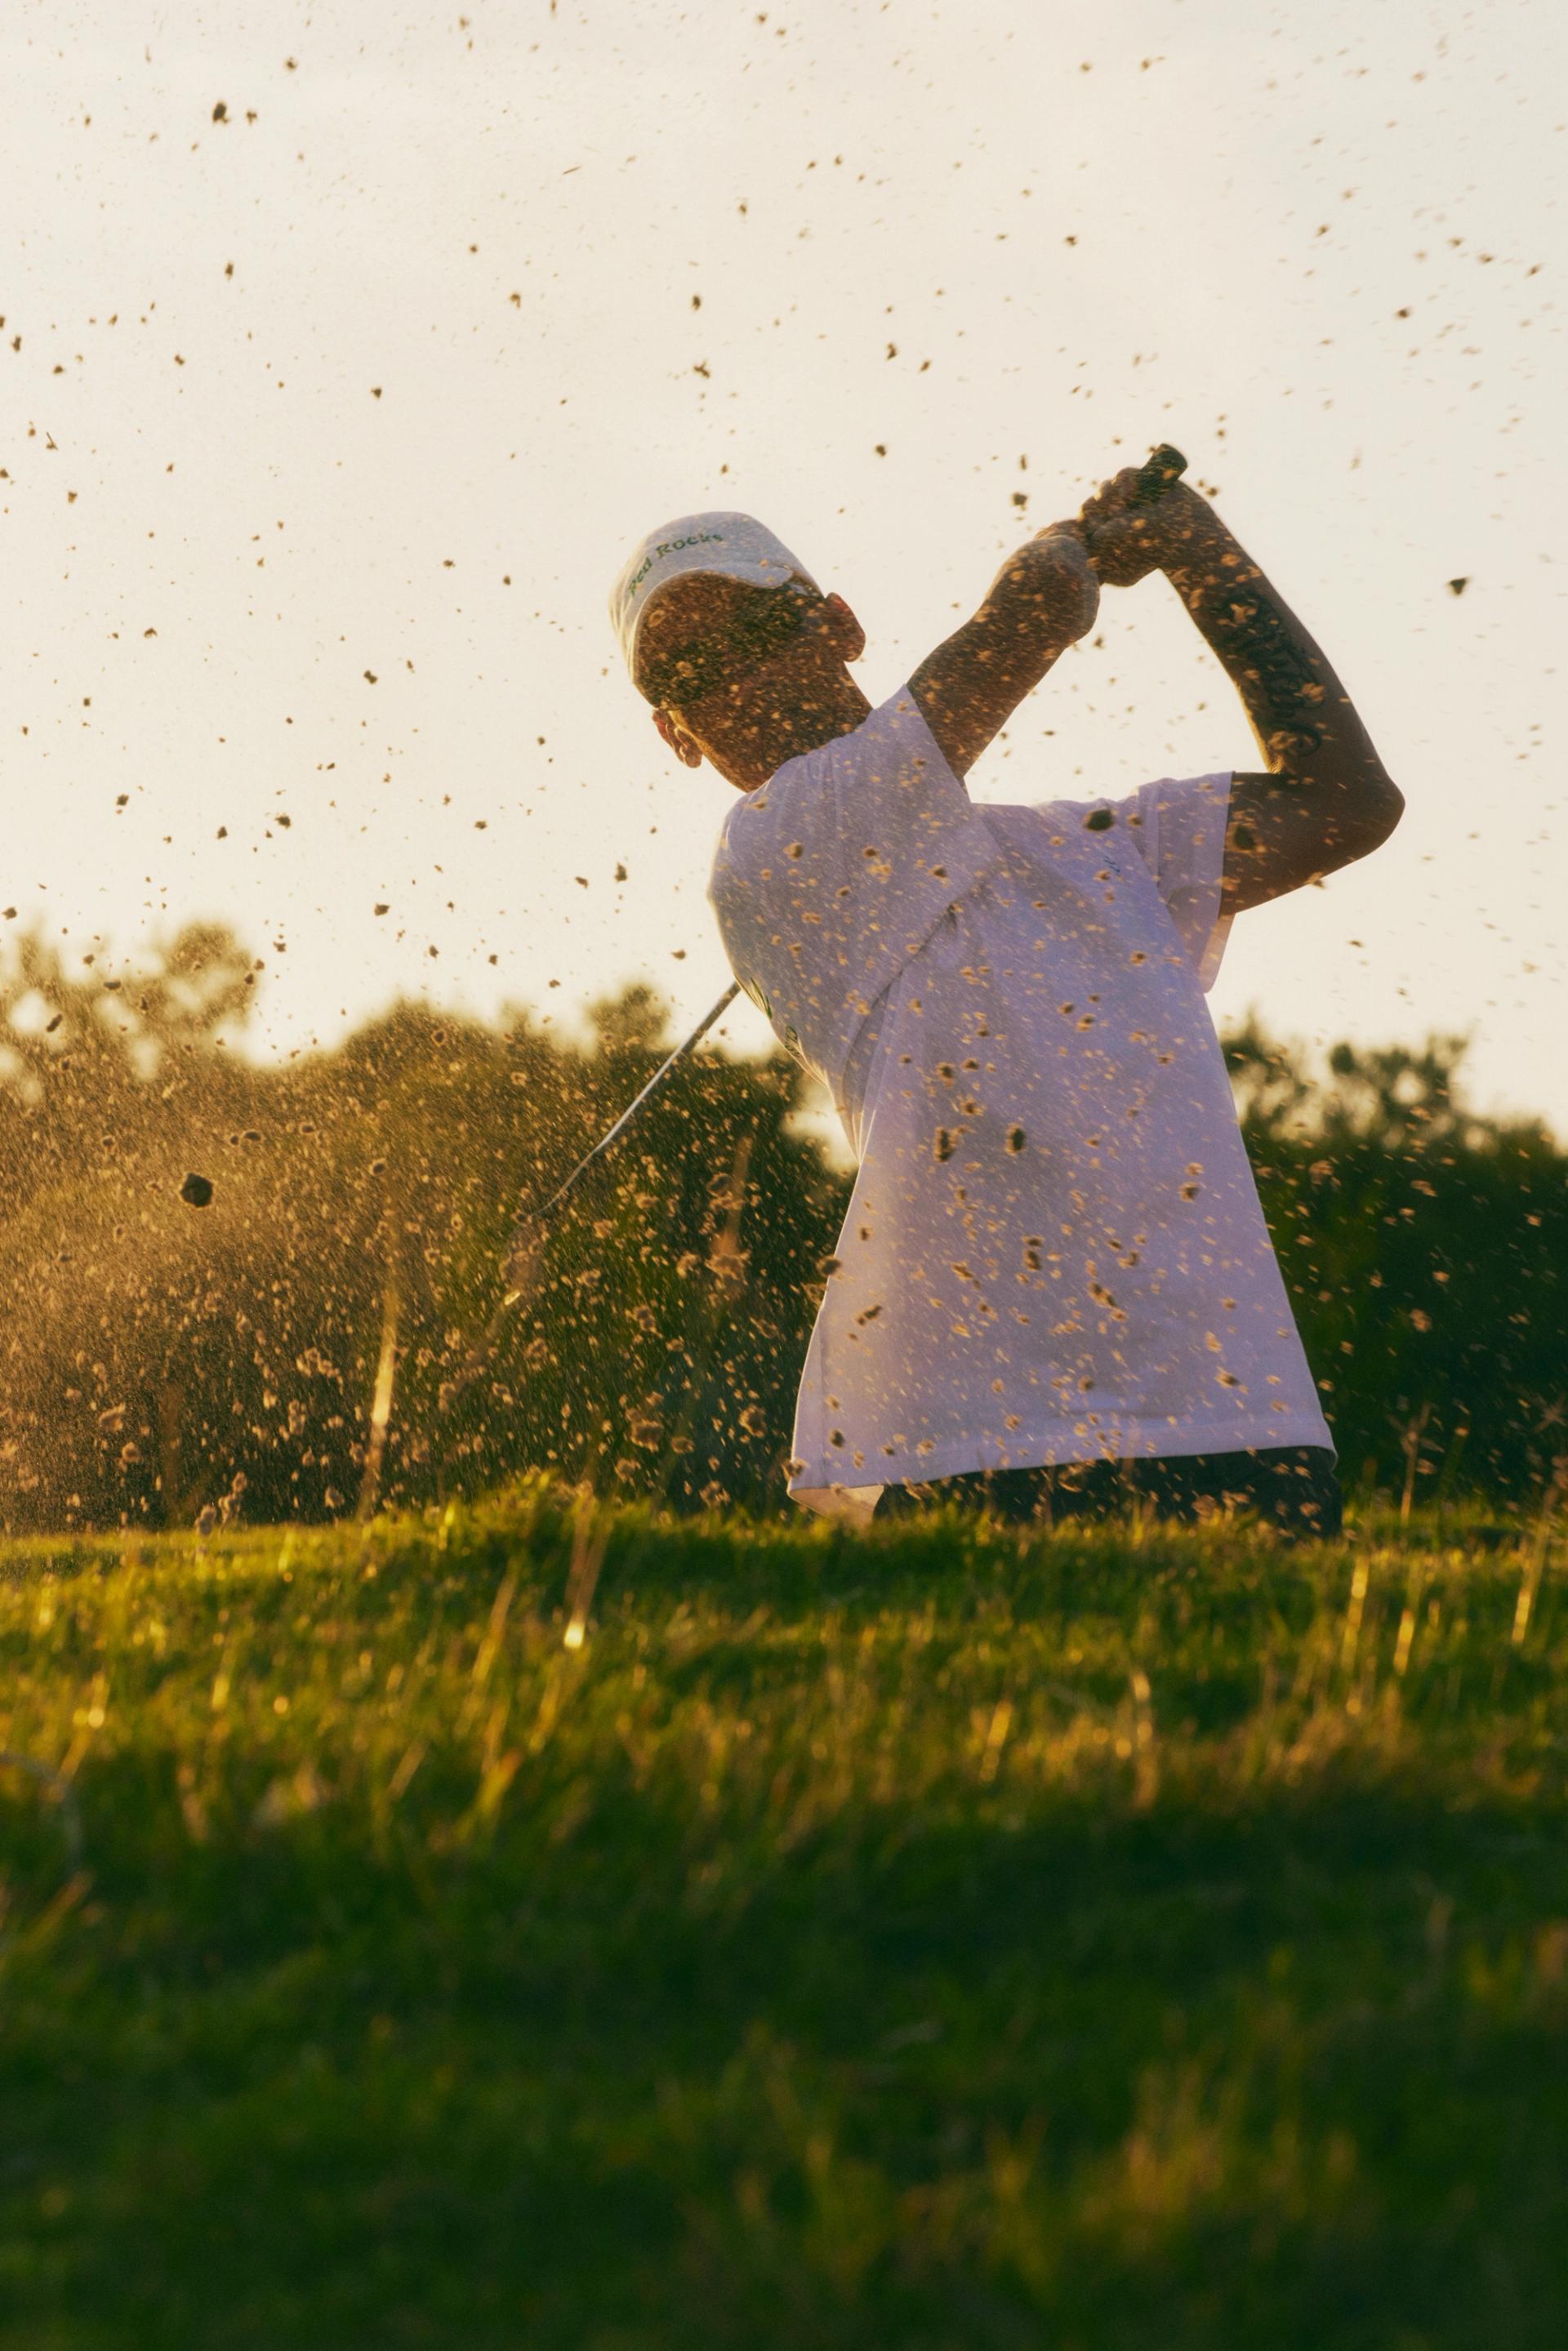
<point x="930" y="1938"/>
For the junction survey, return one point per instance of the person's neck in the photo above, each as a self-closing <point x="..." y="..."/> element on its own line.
<point x="806" y="726"/>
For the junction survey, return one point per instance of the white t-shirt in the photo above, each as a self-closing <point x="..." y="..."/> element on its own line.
<point x="1054" y="1250"/>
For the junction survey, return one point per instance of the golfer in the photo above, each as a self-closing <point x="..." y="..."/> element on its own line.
<point x="1054" y="1287"/>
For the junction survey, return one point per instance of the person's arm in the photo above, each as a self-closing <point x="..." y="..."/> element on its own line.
<point x="1043" y="600"/>
<point x="1325" y="797"/>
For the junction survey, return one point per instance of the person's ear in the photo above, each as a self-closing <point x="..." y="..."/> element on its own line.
<point x="844" y="631"/>
<point x="686" y="749"/>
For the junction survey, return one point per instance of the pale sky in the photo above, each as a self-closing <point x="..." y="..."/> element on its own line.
<point x="478" y="299"/>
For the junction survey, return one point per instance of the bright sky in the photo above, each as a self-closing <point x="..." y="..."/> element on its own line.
<point x="327" y="431"/>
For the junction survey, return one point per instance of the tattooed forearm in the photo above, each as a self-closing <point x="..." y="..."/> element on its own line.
<point x="1271" y="669"/>
<point x="1296" y="703"/>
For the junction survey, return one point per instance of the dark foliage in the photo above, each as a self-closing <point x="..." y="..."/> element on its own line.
<point x="170" y="1345"/>
<point x="1424" y="1249"/>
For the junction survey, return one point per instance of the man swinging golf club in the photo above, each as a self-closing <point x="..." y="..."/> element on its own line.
<point x="1053" y="1288"/>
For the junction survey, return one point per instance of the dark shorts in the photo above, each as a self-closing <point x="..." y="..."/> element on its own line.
<point x="1291" y="1487"/>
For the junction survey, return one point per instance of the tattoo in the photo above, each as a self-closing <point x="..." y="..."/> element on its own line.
<point x="1271" y="669"/>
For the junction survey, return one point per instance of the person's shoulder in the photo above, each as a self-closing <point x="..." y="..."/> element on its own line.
<point x="1060" y="825"/>
<point x="896" y="723"/>
<point x="1136" y="813"/>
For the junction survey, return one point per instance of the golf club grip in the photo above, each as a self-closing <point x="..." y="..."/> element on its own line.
<point x="1159" y="470"/>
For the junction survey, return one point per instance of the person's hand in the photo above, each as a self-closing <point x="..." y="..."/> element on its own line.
<point x="1126" y="542"/>
<point x="1063" y="543"/>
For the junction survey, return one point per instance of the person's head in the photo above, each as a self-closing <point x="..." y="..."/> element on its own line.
<point x="741" y="655"/>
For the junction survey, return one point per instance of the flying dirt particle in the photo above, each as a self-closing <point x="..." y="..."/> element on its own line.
<point x="1021" y="498"/>
<point x="1457" y="587"/>
<point x="620" y="874"/>
<point x="149" y="632"/>
<point x="1099" y="821"/>
<point x="370" y="678"/>
<point x="375" y="392"/>
<point x="378" y="1167"/>
<point x="580" y="880"/>
<point x="1016" y="1138"/>
<point x="882" y="448"/>
<point x="10" y="913"/>
<point x="228" y="269"/>
<point x="942" y="1143"/>
<point x="221" y="112"/>
<point x="284" y="820"/>
<point x="197" y="1191"/>
<point x="383" y="910"/>
<point x="121" y="799"/>
<point x="222" y="833"/>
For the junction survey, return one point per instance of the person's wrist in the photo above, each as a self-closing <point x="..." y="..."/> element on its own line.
<point x="1202" y="552"/>
<point x="1078" y="587"/>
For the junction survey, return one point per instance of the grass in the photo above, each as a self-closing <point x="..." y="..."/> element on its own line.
<point x="931" y="1937"/>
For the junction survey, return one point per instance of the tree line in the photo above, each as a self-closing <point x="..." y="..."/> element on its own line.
<point x="233" y="1288"/>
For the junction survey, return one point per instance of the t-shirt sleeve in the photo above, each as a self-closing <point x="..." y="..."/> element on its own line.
<point x="1179" y="828"/>
<point x="831" y="875"/>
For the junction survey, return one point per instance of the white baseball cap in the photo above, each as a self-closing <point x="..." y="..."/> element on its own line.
<point x="736" y="546"/>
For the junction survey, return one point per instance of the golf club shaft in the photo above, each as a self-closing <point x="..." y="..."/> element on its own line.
<point x="633" y="1107"/>
<point x="478" y="1356"/>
